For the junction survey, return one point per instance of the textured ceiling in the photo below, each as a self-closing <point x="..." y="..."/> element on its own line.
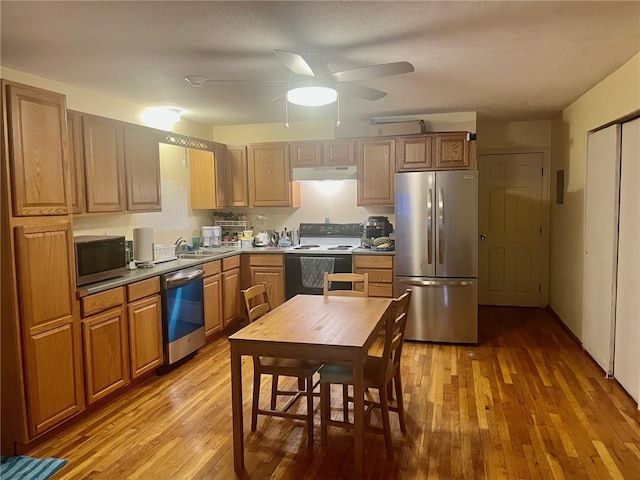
<point x="504" y="60"/>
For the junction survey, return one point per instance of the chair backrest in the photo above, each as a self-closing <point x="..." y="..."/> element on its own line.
<point x="256" y="301"/>
<point x="354" y="278"/>
<point x="396" y="324"/>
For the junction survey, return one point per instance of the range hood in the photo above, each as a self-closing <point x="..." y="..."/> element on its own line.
<point x="304" y="174"/>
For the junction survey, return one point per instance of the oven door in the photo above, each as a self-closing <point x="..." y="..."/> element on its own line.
<point x="304" y="272"/>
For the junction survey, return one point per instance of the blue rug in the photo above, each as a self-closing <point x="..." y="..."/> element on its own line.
<point x="28" y="468"/>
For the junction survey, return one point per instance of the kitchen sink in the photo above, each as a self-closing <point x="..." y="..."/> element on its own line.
<point x="204" y="253"/>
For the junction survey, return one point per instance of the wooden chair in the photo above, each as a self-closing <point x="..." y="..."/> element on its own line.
<point x="379" y="373"/>
<point x="257" y="304"/>
<point x="354" y="278"/>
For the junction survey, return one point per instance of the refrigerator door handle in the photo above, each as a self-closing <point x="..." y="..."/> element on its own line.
<point x="440" y="226"/>
<point x="437" y="283"/>
<point x="429" y="227"/>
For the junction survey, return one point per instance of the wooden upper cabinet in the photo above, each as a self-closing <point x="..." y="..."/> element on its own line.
<point x="76" y="161"/>
<point x="306" y="154"/>
<point x="38" y="151"/>
<point x="202" y="174"/>
<point x="50" y="333"/>
<point x="142" y="169"/>
<point x="270" y="176"/>
<point x="323" y="153"/>
<point x="376" y="170"/>
<point x="452" y="151"/>
<point x="104" y="164"/>
<point x="414" y="153"/>
<point x="237" y="159"/>
<point x="338" y="153"/>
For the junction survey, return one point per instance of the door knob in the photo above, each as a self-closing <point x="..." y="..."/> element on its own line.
<point x="483" y="236"/>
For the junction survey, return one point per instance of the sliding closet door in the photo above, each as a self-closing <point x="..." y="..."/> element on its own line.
<point x="600" y="243"/>
<point x="626" y="368"/>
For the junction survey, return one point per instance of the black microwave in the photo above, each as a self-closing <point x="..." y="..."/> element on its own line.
<point x="99" y="257"/>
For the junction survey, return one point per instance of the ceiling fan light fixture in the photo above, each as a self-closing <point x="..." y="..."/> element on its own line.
<point x="312" y="96"/>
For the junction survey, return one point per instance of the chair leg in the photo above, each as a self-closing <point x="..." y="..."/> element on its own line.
<point x="384" y="407"/>
<point x="325" y="410"/>
<point x="274" y="391"/>
<point x="345" y="402"/>
<point x="310" y="410"/>
<point x="256" y="398"/>
<point x="400" y="402"/>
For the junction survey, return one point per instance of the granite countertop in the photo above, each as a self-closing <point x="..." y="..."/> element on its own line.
<point x="132" y="276"/>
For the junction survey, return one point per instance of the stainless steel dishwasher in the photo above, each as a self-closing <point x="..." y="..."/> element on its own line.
<point x="182" y="313"/>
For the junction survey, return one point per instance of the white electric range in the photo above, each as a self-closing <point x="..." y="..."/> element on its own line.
<point x="323" y="247"/>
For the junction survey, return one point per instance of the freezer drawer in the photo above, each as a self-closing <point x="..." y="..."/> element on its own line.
<point x="441" y="309"/>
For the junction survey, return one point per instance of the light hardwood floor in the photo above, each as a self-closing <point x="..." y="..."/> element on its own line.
<point x="526" y="403"/>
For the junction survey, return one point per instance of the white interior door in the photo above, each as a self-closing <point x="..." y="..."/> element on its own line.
<point x="626" y="364"/>
<point x="511" y="243"/>
<point x="600" y="244"/>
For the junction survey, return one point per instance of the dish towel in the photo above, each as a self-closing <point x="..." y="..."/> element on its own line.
<point x="313" y="269"/>
<point x="28" y="468"/>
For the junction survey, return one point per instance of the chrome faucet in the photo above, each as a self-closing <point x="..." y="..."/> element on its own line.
<point x="181" y="245"/>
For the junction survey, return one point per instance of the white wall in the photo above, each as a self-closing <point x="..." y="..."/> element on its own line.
<point x="616" y="96"/>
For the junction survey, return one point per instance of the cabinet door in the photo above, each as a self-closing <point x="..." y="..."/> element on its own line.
<point x="76" y="162"/>
<point x="145" y="334"/>
<point x="38" y="150"/>
<point x="376" y="170"/>
<point x="237" y="158"/>
<point x="452" y="151"/>
<point x="212" y="304"/>
<point x="142" y="169"/>
<point x="306" y="154"/>
<point x="274" y="278"/>
<point x="269" y="175"/>
<point x="338" y="153"/>
<point x="230" y="296"/>
<point x="414" y="153"/>
<point x="106" y="366"/>
<point x="50" y="333"/>
<point x="103" y="164"/>
<point x="202" y="174"/>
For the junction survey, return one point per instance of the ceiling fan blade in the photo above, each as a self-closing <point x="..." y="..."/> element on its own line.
<point x="294" y="62"/>
<point x="360" y="91"/>
<point x="382" y="70"/>
<point x="198" y="81"/>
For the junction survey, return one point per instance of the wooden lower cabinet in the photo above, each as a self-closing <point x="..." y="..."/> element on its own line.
<point x="50" y="335"/>
<point x="212" y="298"/>
<point x="106" y="360"/>
<point x="145" y="334"/>
<point x="380" y="270"/>
<point x="230" y="290"/>
<point x="269" y="269"/>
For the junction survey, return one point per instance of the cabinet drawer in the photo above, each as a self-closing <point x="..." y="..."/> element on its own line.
<point x="211" y="268"/>
<point x="143" y="288"/>
<point x="270" y="260"/>
<point x="377" y="275"/>
<point x="230" y="262"/>
<point x="101" y="301"/>
<point x="373" y="261"/>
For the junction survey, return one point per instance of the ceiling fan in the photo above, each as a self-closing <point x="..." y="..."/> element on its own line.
<point x="312" y="83"/>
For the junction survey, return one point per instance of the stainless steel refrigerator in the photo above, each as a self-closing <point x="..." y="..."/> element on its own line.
<point x="437" y="253"/>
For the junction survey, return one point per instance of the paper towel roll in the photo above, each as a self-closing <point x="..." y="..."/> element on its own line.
<point x="143" y="244"/>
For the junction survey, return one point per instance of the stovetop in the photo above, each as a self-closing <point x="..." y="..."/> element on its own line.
<point x="333" y="238"/>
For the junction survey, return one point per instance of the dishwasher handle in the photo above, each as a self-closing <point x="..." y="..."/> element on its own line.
<point x="176" y="279"/>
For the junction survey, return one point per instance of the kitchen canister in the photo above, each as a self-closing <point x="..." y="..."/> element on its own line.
<point x="143" y="245"/>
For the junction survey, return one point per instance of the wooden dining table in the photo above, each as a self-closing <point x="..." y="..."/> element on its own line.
<point x="310" y="327"/>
